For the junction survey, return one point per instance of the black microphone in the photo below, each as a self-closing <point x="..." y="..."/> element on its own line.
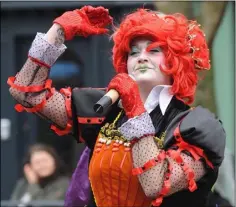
<point x="107" y="100"/>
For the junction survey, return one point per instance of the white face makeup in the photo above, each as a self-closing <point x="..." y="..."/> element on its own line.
<point x="144" y="66"/>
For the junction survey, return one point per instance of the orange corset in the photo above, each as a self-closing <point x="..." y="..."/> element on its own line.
<point x="111" y="178"/>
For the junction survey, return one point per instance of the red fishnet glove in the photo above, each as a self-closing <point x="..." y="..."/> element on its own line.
<point x="85" y="21"/>
<point x="129" y="94"/>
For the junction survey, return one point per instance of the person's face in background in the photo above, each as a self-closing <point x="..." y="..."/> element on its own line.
<point x="43" y="164"/>
<point x="144" y="66"/>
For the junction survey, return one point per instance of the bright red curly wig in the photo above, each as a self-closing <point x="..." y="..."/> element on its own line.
<point x="182" y="42"/>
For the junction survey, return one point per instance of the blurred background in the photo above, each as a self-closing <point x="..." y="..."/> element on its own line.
<point x="87" y="63"/>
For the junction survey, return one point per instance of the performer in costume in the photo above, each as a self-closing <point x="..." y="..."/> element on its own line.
<point x="149" y="148"/>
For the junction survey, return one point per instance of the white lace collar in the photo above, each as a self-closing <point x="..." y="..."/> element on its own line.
<point x="159" y="95"/>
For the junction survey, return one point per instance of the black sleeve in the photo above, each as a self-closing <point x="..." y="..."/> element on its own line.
<point x="83" y="100"/>
<point x="203" y="129"/>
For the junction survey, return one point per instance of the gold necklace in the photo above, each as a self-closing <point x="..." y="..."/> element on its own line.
<point x="110" y="132"/>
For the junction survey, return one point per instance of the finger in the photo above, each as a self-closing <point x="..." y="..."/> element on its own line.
<point x="108" y="20"/>
<point x="92" y="10"/>
<point x="27" y="167"/>
<point x="104" y="21"/>
<point x="98" y="11"/>
<point x="27" y="170"/>
<point x="96" y="30"/>
<point x="85" y="8"/>
<point x="100" y="16"/>
<point x="102" y="31"/>
<point x="100" y="8"/>
<point x="103" y="12"/>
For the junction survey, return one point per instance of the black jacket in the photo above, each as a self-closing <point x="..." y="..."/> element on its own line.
<point x="198" y="127"/>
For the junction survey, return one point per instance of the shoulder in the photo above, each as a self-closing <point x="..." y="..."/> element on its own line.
<point x="83" y="114"/>
<point x="93" y="93"/>
<point x="62" y="181"/>
<point x="84" y="99"/>
<point x="202" y="128"/>
<point x="86" y="122"/>
<point x="21" y="182"/>
<point x="20" y="186"/>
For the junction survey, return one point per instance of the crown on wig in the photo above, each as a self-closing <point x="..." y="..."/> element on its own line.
<point x="197" y="42"/>
<point x="182" y="41"/>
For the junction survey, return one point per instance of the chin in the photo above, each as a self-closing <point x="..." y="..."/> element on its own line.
<point x="44" y="175"/>
<point x="146" y="78"/>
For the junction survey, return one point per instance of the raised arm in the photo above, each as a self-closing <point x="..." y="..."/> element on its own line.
<point x="31" y="87"/>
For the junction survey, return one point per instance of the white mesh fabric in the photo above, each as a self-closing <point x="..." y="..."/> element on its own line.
<point x="142" y="151"/>
<point x="33" y="74"/>
<point x="137" y="127"/>
<point x="54" y="109"/>
<point x="44" y="51"/>
<point x="178" y="177"/>
<point x="153" y="179"/>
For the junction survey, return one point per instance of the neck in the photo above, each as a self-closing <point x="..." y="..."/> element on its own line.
<point x="45" y="181"/>
<point x="144" y="92"/>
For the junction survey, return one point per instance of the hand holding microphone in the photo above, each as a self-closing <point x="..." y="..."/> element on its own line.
<point x="107" y="100"/>
<point x="123" y="86"/>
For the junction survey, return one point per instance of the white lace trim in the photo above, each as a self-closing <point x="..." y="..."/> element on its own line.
<point x="137" y="127"/>
<point x="45" y="52"/>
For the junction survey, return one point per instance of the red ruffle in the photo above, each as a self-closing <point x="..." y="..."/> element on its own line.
<point x="42" y="64"/>
<point x="26" y="89"/>
<point x="62" y="132"/>
<point x="192" y="186"/>
<point x="67" y="93"/>
<point x="148" y="165"/>
<point x="36" y="108"/>
<point x="195" y="151"/>
<point x="166" y="187"/>
<point x="58" y="131"/>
